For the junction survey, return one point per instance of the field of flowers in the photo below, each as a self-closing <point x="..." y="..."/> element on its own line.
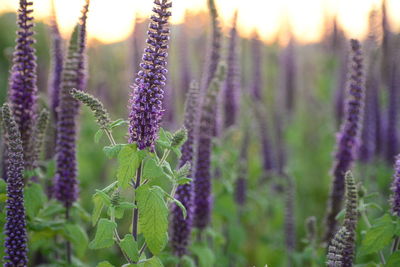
<point x="190" y="145"/>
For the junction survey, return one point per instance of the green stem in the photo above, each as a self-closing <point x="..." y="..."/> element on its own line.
<point x="110" y="136"/>
<point x="116" y="235"/>
<point x="395" y="245"/>
<point x="164" y="157"/>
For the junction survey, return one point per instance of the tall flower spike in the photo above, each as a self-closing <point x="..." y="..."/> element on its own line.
<point x="241" y="182"/>
<point x="202" y="176"/>
<point x="214" y="52"/>
<point x="257" y="81"/>
<point x="146" y="100"/>
<point x="339" y="97"/>
<point x="95" y="105"/>
<point x="181" y="227"/>
<point x="266" y="146"/>
<point x="22" y="88"/>
<point x="335" y="249"/>
<point x="392" y="131"/>
<point x="54" y="86"/>
<point x="396" y="188"/>
<point x="66" y="184"/>
<point x="348" y="137"/>
<point x="15" y="227"/>
<point x="288" y="75"/>
<point x="82" y="68"/>
<point x="38" y="138"/>
<point x="232" y="79"/>
<point x="350" y="219"/>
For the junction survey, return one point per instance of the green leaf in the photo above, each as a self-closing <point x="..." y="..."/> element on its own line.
<point x="128" y="162"/>
<point x="78" y="238"/>
<point x="153" y="217"/>
<point x="126" y="205"/>
<point x="34" y="199"/>
<point x="117" y="123"/>
<point x="129" y="246"/>
<point x="152" y="170"/>
<point x="152" y="262"/>
<point x="98" y="207"/>
<point x="52" y="209"/>
<point x="98" y="136"/>
<point x="204" y="254"/>
<point x="187" y="261"/>
<point x="104" y="197"/>
<point x="183" y="180"/>
<point x="178" y="203"/>
<point x="164" y="140"/>
<point x="394" y="260"/>
<point x="104" y="234"/>
<point x="105" y="264"/>
<point x="378" y="236"/>
<point x="112" y="151"/>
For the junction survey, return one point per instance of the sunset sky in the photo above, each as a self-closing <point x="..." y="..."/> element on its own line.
<point x="112" y="21"/>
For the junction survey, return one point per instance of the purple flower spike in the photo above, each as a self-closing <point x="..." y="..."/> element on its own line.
<point x="146" y="100"/>
<point x="54" y="86"/>
<point x="66" y="184"/>
<point x="257" y="81"/>
<point x="181" y="227"/>
<point x="22" y="85"/>
<point x="348" y="138"/>
<point x="232" y="79"/>
<point x="15" y="226"/>
<point x="82" y="73"/>
<point x="202" y="176"/>
<point x="396" y="188"/>
<point x="392" y="130"/>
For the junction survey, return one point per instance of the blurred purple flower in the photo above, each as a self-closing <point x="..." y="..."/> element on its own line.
<point x="232" y="79"/>
<point x="348" y="138"/>
<point x="257" y="80"/>
<point x="392" y="130"/>
<point x="396" y="188"/>
<point x="181" y="227"/>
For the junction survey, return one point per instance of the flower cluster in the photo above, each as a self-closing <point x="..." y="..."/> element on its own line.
<point x="23" y="90"/>
<point x="202" y="176"/>
<point x="15" y="226"/>
<point x="348" y="137"/>
<point x="146" y="100"/>
<point x="181" y="227"/>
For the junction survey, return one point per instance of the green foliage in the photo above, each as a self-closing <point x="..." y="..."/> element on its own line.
<point x="112" y="151"/>
<point x="130" y="247"/>
<point x="394" y="260"/>
<point x="105" y="264"/>
<point x="129" y="159"/>
<point x="78" y="237"/>
<point x="204" y="254"/>
<point x="153" y="217"/>
<point x="35" y="199"/>
<point x="104" y="234"/>
<point x="378" y="236"/>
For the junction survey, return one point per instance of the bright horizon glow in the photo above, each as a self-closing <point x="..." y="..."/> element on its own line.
<point x="114" y="22"/>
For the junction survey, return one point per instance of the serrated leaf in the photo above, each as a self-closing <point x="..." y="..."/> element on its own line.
<point x="104" y="234"/>
<point x="105" y="264"/>
<point x="204" y="255"/>
<point x="128" y="162"/>
<point x="153" y="217"/>
<point x="177" y="151"/>
<point x="97" y="208"/>
<point x="126" y="205"/>
<point x="78" y="238"/>
<point x="129" y="246"/>
<point x="34" y="199"/>
<point x="394" y="260"/>
<point x="378" y="236"/>
<point x="104" y="197"/>
<point x="98" y="136"/>
<point x="152" y="170"/>
<point x="152" y="262"/>
<point x="112" y="151"/>
<point x="117" y="123"/>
